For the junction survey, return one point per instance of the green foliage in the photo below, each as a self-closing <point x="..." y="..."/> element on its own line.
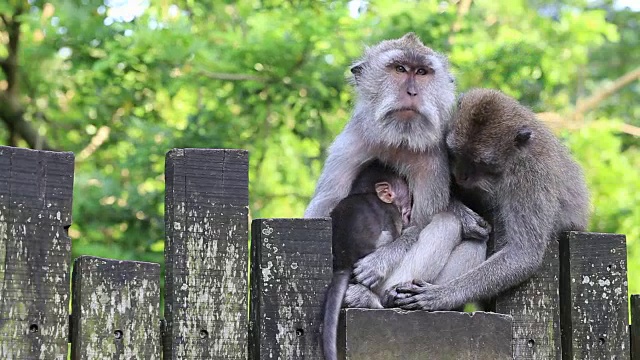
<point x="270" y="76"/>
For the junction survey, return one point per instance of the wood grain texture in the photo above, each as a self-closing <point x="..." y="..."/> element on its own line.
<point x="535" y="308"/>
<point x="593" y="296"/>
<point x="389" y="334"/>
<point x="36" y="190"/>
<point x="291" y="269"/>
<point x="116" y="309"/>
<point x="206" y="254"/>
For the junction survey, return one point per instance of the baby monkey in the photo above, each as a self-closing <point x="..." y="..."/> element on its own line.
<point x="373" y="214"/>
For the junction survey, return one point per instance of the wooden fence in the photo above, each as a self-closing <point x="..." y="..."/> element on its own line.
<point x="574" y="308"/>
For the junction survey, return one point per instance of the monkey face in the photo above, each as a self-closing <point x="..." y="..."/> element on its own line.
<point x="406" y="90"/>
<point x="477" y="175"/>
<point x="489" y="133"/>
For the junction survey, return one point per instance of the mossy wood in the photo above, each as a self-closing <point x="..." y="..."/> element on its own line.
<point x="206" y="254"/>
<point x="291" y="269"/>
<point x="389" y="334"/>
<point x="36" y="190"/>
<point x="595" y="321"/>
<point x="535" y="308"/>
<point x="116" y="309"/>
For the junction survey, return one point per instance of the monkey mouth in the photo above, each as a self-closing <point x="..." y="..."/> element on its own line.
<point x="405" y="113"/>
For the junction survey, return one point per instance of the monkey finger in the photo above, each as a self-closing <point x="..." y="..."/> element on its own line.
<point x="418" y="282"/>
<point x="408" y="289"/>
<point x="399" y="296"/>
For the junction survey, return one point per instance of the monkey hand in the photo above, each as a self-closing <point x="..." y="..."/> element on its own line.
<point x="473" y="225"/>
<point x="420" y="295"/>
<point x="371" y="269"/>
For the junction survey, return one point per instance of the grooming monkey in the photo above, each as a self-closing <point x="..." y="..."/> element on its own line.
<point x="405" y="95"/>
<point x="524" y="179"/>
<point x="373" y="214"/>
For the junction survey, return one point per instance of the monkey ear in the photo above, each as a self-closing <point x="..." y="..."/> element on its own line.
<point x="356" y="70"/>
<point x="383" y="189"/>
<point x="523" y="136"/>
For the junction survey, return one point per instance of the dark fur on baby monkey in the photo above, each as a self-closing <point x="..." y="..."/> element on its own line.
<point x="373" y="214"/>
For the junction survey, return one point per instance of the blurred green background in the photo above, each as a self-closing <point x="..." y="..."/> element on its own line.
<point x="120" y="83"/>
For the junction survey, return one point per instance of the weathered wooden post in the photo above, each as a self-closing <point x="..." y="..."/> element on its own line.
<point x="116" y="309"/>
<point x="593" y="293"/>
<point x="635" y="327"/>
<point x="416" y="335"/>
<point x="535" y="308"/>
<point x="206" y="254"/>
<point x="36" y="190"/>
<point x="291" y="268"/>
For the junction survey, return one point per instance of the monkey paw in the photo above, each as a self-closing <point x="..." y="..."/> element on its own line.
<point x="388" y="298"/>
<point x="358" y="296"/>
<point x="474" y="226"/>
<point x="370" y="270"/>
<point x="420" y="295"/>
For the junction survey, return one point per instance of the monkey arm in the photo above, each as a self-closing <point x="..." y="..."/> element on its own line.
<point x="373" y="268"/>
<point x="343" y="163"/>
<point x="429" y="182"/>
<point x="529" y="227"/>
<point x="429" y="255"/>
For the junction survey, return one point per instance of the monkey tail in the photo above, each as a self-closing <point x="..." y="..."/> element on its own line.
<point x="332" y="305"/>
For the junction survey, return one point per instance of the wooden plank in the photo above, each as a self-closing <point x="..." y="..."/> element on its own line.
<point x="116" y="309"/>
<point x="535" y="308"/>
<point x="291" y="269"/>
<point x="36" y="190"/>
<point x="382" y="334"/>
<point x="593" y="293"/>
<point x="206" y="254"/>
<point x="635" y="327"/>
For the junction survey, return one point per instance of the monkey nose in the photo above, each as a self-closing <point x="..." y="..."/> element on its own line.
<point x="412" y="93"/>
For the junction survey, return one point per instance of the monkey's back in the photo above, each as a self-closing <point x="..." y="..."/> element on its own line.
<point x="358" y="221"/>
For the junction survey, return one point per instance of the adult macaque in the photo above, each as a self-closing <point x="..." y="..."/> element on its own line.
<point x="373" y="214"/>
<point x="524" y="179"/>
<point x="405" y="96"/>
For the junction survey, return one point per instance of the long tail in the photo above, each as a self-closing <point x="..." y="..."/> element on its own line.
<point x="332" y="305"/>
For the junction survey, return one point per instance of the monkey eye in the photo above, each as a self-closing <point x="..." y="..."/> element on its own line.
<point x="400" y="69"/>
<point x="421" y="71"/>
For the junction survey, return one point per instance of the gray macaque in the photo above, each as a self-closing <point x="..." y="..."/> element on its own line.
<point x="523" y="178"/>
<point x="373" y="214"/>
<point x="405" y="97"/>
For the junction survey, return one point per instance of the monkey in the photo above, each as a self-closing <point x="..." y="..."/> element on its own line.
<point x="523" y="178"/>
<point x="373" y="214"/>
<point x="405" y="96"/>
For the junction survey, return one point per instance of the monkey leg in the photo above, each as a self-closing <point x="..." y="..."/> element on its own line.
<point x="360" y="296"/>
<point x="428" y="256"/>
<point x="508" y="267"/>
<point x="466" y="256"/>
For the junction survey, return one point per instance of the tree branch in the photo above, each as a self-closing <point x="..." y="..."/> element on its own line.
<point x="232" y="77"/>
<point x="594" y="100"/>
<point x="11" y="110"/>
<point x="558" y="122"/>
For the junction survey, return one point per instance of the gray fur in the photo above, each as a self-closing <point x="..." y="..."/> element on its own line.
<point x="528" y="184"/>
<point x="415" y="150"/>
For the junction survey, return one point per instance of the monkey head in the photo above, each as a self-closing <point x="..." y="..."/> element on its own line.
<point x="405" y="94"/>
<point x="490" y="134"/>
<point x="396" y="192"/>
